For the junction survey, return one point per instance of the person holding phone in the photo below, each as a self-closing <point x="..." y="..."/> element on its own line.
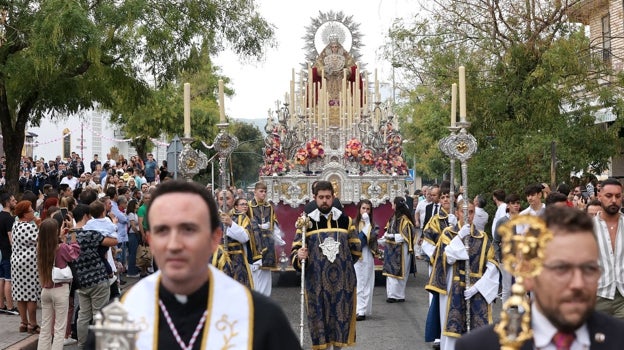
<point x="54" y="296"/>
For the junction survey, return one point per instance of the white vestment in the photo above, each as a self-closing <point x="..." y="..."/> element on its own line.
<point x="229" y="323"/>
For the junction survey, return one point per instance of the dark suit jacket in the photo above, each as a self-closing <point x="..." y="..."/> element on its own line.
<point x="428" y="215"/>
<point x="611" y="328"/>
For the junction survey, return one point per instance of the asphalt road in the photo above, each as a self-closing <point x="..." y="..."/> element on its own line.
<point x="395" y="326"/>
<point x="392" y="326"/>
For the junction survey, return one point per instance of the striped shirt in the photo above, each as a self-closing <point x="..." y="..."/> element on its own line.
<point x="612" y="262"/>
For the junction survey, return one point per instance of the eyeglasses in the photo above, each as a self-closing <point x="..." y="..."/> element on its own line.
<point x="243" y="204"/>
<point x="563" y="271"/>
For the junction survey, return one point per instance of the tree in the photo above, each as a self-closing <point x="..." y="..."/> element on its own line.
<point x="532" y="78"/>
<point x="58" y="57"/>
<point x="246" y="159"/>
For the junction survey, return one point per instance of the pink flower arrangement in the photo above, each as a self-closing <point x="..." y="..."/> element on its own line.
<point x="315" y="149"/>
<point x="301" y="157"/>
<point x="368" y="158"/>
<point x="275" y="161"/>
<point x="352" y="150"/>
<point x="389" y="164"/>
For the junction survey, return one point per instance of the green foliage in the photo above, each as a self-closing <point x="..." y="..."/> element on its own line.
<point x="534" y="83"/>
<point x="247" y="158"/>
<point x="61" y="57"/>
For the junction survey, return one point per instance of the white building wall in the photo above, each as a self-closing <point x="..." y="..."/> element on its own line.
<point x="98" y="136"/>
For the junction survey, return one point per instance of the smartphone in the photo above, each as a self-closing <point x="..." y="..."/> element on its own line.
<point x="64" y="213"/>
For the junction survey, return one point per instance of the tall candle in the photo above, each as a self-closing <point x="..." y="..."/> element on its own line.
<point x="221" y="102"/>
<point x="453" y="104"/>
<point x="187" y="110"/>
<point x="377" y="95"/>
<point x="292" y="95"/>
<point x="462" y="93"/>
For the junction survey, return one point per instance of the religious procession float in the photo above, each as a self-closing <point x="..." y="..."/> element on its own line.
<point x="333" y="126"/>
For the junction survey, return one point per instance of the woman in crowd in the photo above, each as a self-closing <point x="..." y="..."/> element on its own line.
<point x="54" y="252"/>
<point x="134" y="238"/>
<point x="49" y="203"/>
<point x="399" y="242"/>
<point x="365" y="266"/>
<point x="26" y="289"/>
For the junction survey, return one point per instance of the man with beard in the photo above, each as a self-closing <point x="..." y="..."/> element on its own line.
<point x="331" y="248"/>
<point x="562" y="310"/>
<point x="609" y="228"/>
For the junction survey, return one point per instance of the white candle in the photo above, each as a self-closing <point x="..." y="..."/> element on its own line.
<point x="453" y="104"/>
<point x="187" y="110"/>
<point x="462" y="93"/>
<point x="292" y="95"/>
<point x="377" y="95"/>
<point x="221" y="102"/>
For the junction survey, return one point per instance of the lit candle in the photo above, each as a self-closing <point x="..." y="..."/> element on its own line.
<point x="462" y="93"/>
<point x="221" y="102"/>
<point x="453" y="104"/>
<point x="187" y="110"/>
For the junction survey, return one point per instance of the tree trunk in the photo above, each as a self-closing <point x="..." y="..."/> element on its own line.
<point x="12" y="143"/>
<point x="140" y="145"/>
<point x="13" y="135"/>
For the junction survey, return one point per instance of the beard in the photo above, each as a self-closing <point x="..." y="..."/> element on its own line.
<point x="611" y="209"/>
<point x="325" y="209"/>
<point x="559" y="319"/>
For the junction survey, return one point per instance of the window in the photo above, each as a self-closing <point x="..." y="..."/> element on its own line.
<point x="606" y="39"/>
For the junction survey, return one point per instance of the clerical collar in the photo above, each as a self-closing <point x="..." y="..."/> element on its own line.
<point x="198" y="297"/>
<point x="316" y="214"/>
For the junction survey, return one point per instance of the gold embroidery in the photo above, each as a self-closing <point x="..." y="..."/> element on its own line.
<point x="225" y="326"/>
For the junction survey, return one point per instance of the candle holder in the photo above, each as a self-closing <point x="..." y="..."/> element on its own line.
<point x="461" y="145"/>
<point x="114" y="329"/>
<point x="524" y="239"/>
<point x="191" y="161"/>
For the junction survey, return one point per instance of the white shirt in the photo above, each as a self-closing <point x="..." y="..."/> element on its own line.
<point x="544" y="331"/>
<point x="420" y="211"/>
<point x="612" y="277"/>
<point x="501" y="211"/>
<point x="480" y="219"/>
<point x="530" y="211"/>
<point x="73" y="182"/>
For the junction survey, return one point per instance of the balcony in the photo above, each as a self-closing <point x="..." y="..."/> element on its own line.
<point x="584" y="9"/>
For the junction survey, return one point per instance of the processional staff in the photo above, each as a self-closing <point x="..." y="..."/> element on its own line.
<point x="302" y="223"/>
<point x="462" y="146"/>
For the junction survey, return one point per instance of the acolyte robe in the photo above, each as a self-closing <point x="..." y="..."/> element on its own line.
<point x="330" y="287"/>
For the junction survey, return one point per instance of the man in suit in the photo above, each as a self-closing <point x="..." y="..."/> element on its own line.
<point x="564" y="293"/>
<point x="432" y="208"/>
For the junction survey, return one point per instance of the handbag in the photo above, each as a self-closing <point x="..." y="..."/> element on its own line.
<point x="63" y="275"/>
<point x="143" y="256"/>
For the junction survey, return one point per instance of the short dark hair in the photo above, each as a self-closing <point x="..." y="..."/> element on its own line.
<point x="611" y="181"/>
<point x="555" y="197"/>
<point x="533" y="189"/>
<point x="96" y="209"/>
<point x="87" y="196"/>
<point x="80" y="211"/>
<point x="567" y="218"/>
<point x="512" y="198"/>
<point x="499" y="194"/>
<point x="481" y="202"/>
<point x="5" y="198"/>
<point x="563" y="188"/>
<point x="183" y="186"/>
<point x="111" y="192"/>
<point x="322" y="186"/>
